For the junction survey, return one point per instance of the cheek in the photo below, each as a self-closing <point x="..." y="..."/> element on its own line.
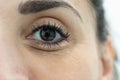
<point x="78" y="63"/>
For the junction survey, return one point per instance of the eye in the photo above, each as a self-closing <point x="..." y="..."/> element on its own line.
<point x="49" y="35"/>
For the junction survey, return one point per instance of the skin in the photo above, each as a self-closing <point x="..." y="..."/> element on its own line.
<point x="82" y="58"/>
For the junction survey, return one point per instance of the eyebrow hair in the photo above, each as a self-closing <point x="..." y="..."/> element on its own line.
<point x="38" y="6"/>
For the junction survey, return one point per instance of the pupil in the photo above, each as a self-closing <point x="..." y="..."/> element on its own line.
<point x="47" y="34"/>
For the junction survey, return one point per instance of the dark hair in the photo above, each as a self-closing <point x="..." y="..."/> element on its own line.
<point x="101" y="27"/>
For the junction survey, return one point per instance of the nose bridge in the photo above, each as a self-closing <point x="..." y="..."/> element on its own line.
<point x="11" y="64"/>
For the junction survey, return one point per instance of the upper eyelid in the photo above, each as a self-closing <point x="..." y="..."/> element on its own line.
<point x="45" y="21"/>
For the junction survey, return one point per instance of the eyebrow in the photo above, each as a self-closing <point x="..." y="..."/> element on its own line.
<point x="42" y="5"/>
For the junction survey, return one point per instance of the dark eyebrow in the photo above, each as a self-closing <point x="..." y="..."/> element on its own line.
<point x="42" y="5"/>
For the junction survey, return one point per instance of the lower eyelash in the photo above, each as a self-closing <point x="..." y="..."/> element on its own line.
<point x="50" y="46"/>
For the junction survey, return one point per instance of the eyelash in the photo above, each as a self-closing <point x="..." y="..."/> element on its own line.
<point x="50" y="45"/>
<point x="52" y="26"/>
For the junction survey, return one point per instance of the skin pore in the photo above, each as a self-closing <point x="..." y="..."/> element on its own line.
<point x="73" y="54"/>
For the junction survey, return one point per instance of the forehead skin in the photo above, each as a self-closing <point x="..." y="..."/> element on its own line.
<point x="79" y="61"/>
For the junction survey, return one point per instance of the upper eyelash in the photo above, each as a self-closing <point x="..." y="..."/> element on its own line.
<point x="54" y="26"/>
